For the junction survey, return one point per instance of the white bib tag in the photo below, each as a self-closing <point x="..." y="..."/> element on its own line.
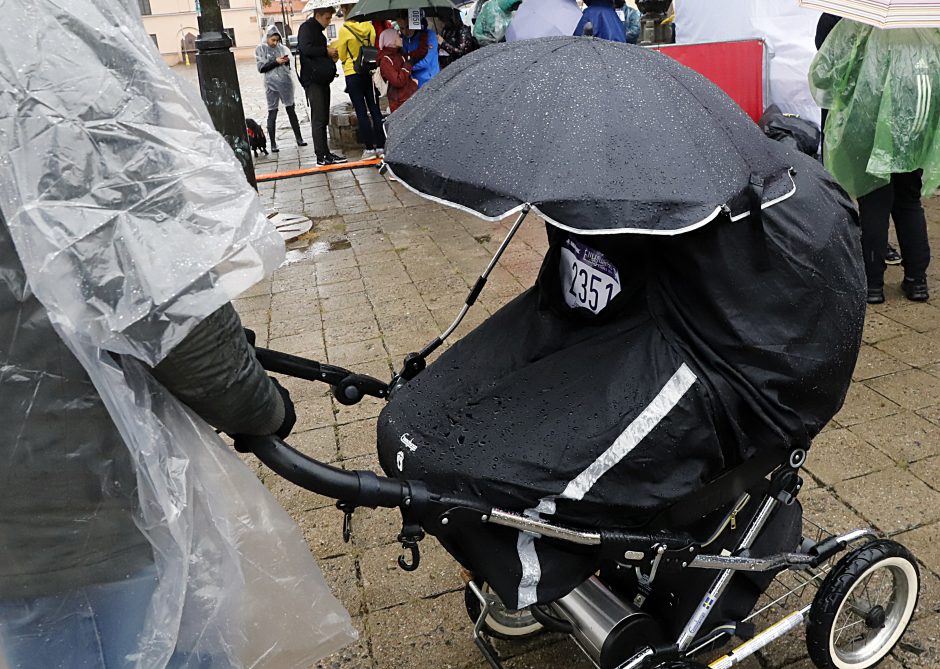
<point x="589" y="280"/>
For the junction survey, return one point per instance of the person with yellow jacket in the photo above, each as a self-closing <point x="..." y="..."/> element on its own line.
<point x="350" y="40"/>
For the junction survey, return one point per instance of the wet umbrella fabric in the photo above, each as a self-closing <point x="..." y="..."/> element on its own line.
<point x="392" y="10"/>
<point x="731" y="340"/>
<point x="546" y="18"/>
<point x="599" y="137"/>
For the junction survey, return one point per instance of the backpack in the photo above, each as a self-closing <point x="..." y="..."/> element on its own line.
<point x="368" y="58"/>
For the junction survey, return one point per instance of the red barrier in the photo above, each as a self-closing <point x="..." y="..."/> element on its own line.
<point x="737" y="68"/>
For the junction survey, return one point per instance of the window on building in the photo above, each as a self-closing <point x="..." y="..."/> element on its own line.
<point x="144" y="7"/>
<point x="155" y="42"/>
<point x="225" y="4"/>
<point x="231" y="34"/>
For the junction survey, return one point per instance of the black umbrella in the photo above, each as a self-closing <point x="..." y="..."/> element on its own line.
<point x="599" y="137"/>
<point x="393" y="10"/>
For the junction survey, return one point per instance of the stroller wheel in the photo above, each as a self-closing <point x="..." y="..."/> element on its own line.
<point x="680" y="664"/>
<point x="500" y="622"/>
<point x="863" y="607"/>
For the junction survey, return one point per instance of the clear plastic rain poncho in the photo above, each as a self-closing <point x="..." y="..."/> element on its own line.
<point x="882" y="88"/>
<point x="133" y="221"/>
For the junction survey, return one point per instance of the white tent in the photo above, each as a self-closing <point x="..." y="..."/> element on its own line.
<point x="788" y="29"/>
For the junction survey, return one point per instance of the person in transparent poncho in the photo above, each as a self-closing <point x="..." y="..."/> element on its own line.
<point x="130" y="535"/>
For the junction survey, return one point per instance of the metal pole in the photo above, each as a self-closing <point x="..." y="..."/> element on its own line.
<point x="218" y="83"/>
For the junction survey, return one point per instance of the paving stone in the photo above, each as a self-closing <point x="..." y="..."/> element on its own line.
<point x="387" y="585"/>
<point x="913" y="388"/>
<point x="426" y="633"/>
<point x="873" y="362"/>
<point x="893" y="499"/>
<point x="349" y="333"/>
<point x="822" y="508"/>
<point x="904" y="436"/>
<point x="879" y="327"/>
<point x="357" y="438"/>
<point x="862" y="403"/>
<point x="922" y="317"/>
<point x="354" y="656"/>
<point x="341" y="574"/>
<point x="351" y="354"/>
<point x="313" y="412"/>
<point x="920" y="646"/>
<point x="915" y="349"/>
<point x="323" y="531"/>
<point x="838" y="455"/>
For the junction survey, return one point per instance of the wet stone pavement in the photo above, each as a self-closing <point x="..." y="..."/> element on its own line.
<point x="383" y="272"/>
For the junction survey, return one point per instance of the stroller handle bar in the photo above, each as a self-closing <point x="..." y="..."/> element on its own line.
<point x="348" y="387"/>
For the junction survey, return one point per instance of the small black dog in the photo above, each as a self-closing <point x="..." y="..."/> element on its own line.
<point x="256" y="138"/>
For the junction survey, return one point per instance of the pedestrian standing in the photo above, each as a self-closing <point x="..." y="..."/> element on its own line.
<point x="352" y="37"/>
<point x="421" y="47"/>
<point x="317" y="72"/>
<point x="489" y="27"/>
<point x="604" y="20"/>
<point x="273" y="60"/>
<point x="456" y="40"/>
<point x="882" y="90"/>
<point x="395" y="69"/>
<point x="631" y="20"/>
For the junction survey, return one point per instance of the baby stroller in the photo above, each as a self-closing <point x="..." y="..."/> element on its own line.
<point x="616" y="453"/>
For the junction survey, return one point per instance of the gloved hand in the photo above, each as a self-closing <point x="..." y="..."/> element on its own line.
<point x="290" y="416"/>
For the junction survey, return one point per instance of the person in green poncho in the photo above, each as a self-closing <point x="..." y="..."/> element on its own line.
<point x="882" y="137"/>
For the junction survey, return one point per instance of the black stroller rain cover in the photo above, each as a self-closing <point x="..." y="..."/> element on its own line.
<point x="729" y="342"/>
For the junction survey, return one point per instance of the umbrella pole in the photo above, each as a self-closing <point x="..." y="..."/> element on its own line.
<point x="415" y="362"/>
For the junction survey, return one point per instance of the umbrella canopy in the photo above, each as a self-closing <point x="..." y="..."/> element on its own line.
<point x="322" y="4"/>
<point x="883" y="13"/>
<point x="599" y="137"/>
<point x="548" y="18"/>
<point x="390" y="10"/>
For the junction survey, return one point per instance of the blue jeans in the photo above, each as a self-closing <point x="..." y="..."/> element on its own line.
<point x="362" y="95"/>
<point x="95" y="627"/>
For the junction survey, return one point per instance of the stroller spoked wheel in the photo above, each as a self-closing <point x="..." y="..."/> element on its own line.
<point x="500" y="622"/>
<point x="863" y="607"/>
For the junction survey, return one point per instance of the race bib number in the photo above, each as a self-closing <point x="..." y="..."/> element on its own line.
<point x="589" y="280"/>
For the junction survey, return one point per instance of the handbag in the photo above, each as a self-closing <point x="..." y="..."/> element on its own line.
<point x="379" y="82"/>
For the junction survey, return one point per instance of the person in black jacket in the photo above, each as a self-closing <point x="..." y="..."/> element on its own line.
<point x="317" y="71"/>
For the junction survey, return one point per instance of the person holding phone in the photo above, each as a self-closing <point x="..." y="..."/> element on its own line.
<point x="273" y="60"/>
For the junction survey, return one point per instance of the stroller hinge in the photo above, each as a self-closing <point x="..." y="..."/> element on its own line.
<point x="347" y="510"/>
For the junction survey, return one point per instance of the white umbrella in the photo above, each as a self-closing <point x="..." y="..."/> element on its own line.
<point x="323" y="4"/>
<point x="883" y="13"/>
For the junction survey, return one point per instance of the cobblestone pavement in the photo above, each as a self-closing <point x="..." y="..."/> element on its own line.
<point x="384" y="271"/>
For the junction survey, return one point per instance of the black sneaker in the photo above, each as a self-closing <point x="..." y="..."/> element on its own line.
<point x="876" y="296"/>
<point x="892" y="257"/>
<point x="915" y="289"/>
<point x="337" y="159"/>
<point x="324" y="161"/>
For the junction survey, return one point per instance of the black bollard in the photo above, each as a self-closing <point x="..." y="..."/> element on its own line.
<point x="218" y="84"/>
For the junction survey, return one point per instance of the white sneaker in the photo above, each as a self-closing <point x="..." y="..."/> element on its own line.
<point x="369" y="154"/>
<point x="380" y="152"/>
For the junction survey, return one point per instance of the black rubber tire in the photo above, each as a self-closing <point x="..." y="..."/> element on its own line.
<point x="472" y="604"/>
<point x="836" y="587"/>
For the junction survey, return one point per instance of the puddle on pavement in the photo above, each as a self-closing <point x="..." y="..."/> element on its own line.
<point x="309" y="246"/>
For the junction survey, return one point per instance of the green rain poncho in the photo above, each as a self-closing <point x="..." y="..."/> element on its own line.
<point x="882" y="88"/>
<point x="494" y="19"/>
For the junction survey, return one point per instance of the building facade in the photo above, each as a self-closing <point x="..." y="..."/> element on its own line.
<point x="172" y="26"/>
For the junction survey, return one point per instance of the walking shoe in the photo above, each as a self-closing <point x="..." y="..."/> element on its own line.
<point x="380" y="151"/>
<point x="369" y="154"/>
<point x="323" y="161"/>
<point x="274" y="148"/>
<point x="876" y="296"/>
<point x="915" y="289"/>
<point x="301" y="142"/>
<point x="337" y="159"/>
<point x="892" y="257"/>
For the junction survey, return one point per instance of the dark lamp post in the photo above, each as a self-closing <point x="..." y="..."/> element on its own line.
<point x="218" y="83"/>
